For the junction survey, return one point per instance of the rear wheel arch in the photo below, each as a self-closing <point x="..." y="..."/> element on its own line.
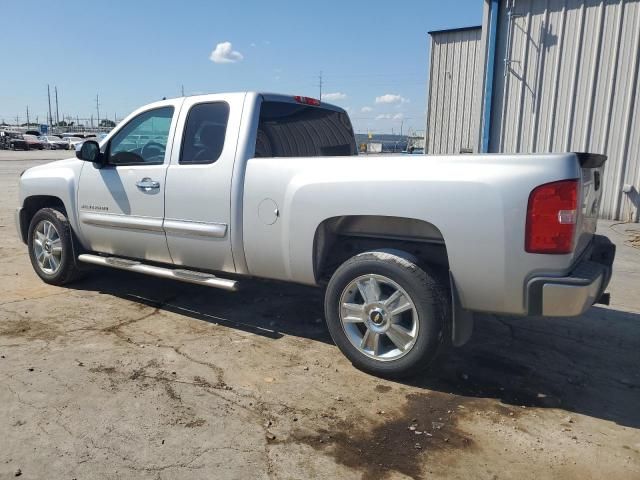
<point x="337" y="239"/>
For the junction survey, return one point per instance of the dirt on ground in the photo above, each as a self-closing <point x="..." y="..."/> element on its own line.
<point x="125" y="376"/>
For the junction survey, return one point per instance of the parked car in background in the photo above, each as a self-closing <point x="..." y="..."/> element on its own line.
<point x="25" y="142"/>
<point x="51" y="142"/>
<point x="35" y="133"/>
<point x="73" y="142"/>
<point x="5" y="138"/>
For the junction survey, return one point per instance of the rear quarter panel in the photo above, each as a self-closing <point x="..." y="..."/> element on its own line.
<point x="478" y="202"/>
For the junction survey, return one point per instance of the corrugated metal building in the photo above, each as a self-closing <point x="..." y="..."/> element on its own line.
<point x="453" y="118"/>
<point x="557" y="75"/>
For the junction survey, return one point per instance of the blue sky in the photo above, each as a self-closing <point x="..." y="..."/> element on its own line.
<point x="373" y="54"/>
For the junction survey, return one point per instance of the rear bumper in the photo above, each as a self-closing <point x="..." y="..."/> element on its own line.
<point x="572" y="295"/>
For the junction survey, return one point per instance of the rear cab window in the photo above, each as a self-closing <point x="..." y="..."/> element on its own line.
<point x="297" y="130"/>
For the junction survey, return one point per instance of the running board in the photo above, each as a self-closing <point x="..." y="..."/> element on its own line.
<point x="189" y="276"/>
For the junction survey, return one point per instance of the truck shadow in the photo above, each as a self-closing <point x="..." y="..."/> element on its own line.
<point x="586" y="365"/>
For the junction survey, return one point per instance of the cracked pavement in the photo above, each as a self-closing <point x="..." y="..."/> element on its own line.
<point x="122" y="376"/>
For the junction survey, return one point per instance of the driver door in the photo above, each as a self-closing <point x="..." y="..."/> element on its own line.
<point x="121" y="204"/>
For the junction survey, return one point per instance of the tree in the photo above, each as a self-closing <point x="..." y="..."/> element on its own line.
<point x="107" y="123"/>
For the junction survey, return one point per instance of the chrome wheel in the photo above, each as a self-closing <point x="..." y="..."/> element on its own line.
<point x="47" y="247"/>
<point x="378" y="317"/>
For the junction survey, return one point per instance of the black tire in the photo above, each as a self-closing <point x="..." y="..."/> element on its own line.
<point x="428" y="292"/>
<point x="67" y="270"/>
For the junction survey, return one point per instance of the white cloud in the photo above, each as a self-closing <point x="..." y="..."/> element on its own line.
<point x="252" y="44"/>
<point x="332" y="97"/>
<point x="391" y="98"/>
<point x="390" y="116"/>
<point x="224" y="53"/>
<point x="366" y="109"/>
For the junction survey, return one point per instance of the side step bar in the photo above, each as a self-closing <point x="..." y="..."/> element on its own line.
<point x="189" y="276"/>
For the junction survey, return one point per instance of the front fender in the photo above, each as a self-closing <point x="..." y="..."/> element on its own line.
<point x="57" y="179"/>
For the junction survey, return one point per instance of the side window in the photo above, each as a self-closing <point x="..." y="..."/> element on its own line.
<point x="143" y="140"/>
<point x="204" y="133"/>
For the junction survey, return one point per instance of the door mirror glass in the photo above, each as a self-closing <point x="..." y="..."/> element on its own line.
<point x="89" y="152"/>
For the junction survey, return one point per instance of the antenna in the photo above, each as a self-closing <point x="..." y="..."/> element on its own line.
<point x="320" y="85"/>
<point x="182" y="89"/>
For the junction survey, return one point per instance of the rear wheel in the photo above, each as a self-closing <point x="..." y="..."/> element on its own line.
<point x="51" y="249"/>
<point x="387" y="314"/>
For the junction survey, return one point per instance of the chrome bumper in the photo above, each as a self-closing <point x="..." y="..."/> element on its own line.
<point x="572" y="295"/>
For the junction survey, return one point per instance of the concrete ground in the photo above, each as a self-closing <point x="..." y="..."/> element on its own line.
<point x="125" y="376"/>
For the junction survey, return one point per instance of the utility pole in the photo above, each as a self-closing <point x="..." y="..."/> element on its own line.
<point x="17" y="121"/>
<point x="182" y="90"/>
<point x="57" y="111"/>
<point x="320" y="85"/>
<point x="49" y="97"/>
<point x="28" y="115"/>
<point x="401" y="124"/>
<point x="97" y="109"/>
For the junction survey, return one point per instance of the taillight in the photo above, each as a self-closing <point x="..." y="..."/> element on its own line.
<point x="551" y="217"/>
<point x="307" y="100"/>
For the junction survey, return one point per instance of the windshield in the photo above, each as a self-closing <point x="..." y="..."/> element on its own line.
<point x="54" y="139"/>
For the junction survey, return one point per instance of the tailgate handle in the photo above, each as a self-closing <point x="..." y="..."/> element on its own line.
<point x="596" y="180"/>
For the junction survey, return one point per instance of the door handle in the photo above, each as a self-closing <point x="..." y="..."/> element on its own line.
<point x="147" y="184"/>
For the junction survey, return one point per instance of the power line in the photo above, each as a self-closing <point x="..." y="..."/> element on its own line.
<point x="57" y="111"/>
<point x="320" y="85"/>
<point x="49" y="97"/>
<point x="97" y="109"/>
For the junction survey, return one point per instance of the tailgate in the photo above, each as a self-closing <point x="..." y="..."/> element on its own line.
<point x="592" y="167"/>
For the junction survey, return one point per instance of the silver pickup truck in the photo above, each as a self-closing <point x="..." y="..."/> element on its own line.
<point x="214" y="188"/>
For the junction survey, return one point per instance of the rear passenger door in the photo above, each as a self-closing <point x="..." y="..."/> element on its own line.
<point x="198" y="183"/>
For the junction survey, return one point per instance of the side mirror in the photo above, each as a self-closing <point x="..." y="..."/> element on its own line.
<point x="90" y="152"/>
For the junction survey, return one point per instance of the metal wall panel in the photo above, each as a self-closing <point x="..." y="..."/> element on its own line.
<point x="567" y="79"/>
<point x="455" y="91"/>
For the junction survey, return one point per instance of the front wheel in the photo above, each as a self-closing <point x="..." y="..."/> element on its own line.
<point x="387" y="314"/>
<point x="51" y="250"/>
